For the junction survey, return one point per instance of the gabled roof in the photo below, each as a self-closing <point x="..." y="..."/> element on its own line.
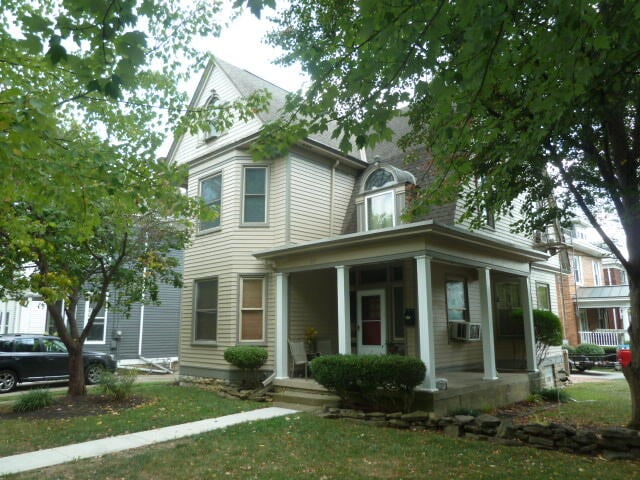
<point x="248" y="83"/>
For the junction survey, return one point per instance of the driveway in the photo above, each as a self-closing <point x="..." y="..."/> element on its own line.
<point x="596" y="376"/>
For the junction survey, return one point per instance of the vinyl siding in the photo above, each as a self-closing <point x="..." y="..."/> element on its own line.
<point x="192" y="146"/>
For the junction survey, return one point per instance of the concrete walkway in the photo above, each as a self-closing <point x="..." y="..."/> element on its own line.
<point x="96" y="448"/>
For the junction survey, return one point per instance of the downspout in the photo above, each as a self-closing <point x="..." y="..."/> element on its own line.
<point x="287" y="210"/>
<point x="331" y="194"/>
<point x="141" y="330"/>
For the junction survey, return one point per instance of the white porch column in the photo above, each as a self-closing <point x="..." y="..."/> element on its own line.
<point x="426" y="337"/>
<point x="527" y="316"/>
<point x="282" y="325"/>
<point x="344" y="314"/>
<point x="625" y="322"/>
<point x="486" y="312"/>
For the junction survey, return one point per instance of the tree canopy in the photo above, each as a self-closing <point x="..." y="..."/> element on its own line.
<point x="88" y="92"/>
<point x="540" y="98"/>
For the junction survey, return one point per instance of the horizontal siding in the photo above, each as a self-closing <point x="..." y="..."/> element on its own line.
<point x="192" y="146"/>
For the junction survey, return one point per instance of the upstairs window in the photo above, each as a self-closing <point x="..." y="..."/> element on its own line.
<point x="379" y="179"/>
<point x="254" y="208"/>
<point x="577" y="269"/>
<point x="211" y="193"/>
<point x="380" y="210"/>
<point x="597" y="273"/>
<point x="212" y="132"/>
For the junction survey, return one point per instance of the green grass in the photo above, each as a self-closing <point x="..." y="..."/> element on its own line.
<point x="167" y="405"/>
<point x="602" y="403"/>
<point x="306" y="447"/>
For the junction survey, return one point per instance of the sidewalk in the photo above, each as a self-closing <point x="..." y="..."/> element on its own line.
<point x="96" y="448"/>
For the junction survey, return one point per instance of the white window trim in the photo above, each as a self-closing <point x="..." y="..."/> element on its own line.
<point x="194" y="294"/>
<point x="466" y="312"/>
<point x="537" y="284"/>
<point x="266" y="196"/>
<point x="241" y="309"/>
<point x="578" y="275"/>
<point x="87" y="311"/>
<point x="200" y="182"/>
<point x="391" y="192"/>
<point x="597" y="273"/>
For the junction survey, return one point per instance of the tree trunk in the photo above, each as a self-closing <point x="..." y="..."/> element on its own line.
<point x="77" y="386"/>
<point x="632" y="372"/>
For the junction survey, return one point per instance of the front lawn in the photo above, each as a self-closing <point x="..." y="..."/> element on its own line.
<point x="159" y="405"/>
<point x="302" y="446"/>
<point x="597" y="404"/>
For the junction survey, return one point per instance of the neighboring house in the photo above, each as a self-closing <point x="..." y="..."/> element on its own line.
<point x="149" y="332"/>
<point x="316" y="239"/>
<point x="594" y="295"/>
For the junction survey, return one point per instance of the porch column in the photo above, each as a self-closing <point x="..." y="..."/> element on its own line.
<point x="426" y="337"/>
<point x="486" y="312"/>
<point x="527" y="316"/>
<point x="625" y="322"/>
<point x="282" y="325"/>
<point x="344" y="314"/>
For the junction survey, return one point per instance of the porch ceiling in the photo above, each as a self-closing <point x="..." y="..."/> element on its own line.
<point x="441" y="242"/>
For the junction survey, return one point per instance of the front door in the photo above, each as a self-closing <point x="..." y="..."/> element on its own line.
<point x="372" y="322"/>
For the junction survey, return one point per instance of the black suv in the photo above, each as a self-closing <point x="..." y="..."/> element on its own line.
<point x="35" y="358"/>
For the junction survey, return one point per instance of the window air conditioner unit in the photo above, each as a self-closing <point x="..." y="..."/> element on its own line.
<point x="464" y="331"/>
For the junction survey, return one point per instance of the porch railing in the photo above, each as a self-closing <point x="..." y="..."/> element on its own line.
<point x="603" y="337"/>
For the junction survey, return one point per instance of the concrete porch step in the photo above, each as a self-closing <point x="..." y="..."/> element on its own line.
<point x="298" y="397"/>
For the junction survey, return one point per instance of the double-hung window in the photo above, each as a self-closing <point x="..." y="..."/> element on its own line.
<point x="543" y="296"/>
<point x="457" y="301"/>
<point x="597" y="273"/>
<point x="254" y="208"/>
<point x="252" y="309"/>
<point x="577" y="269"/>
<point x="211" y="193"/>
<point x="98" y="332"/>
<point x="205" y="310"/>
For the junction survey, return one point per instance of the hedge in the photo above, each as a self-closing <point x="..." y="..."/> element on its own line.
<point x="588" y="349"/>
<point x="246" y="357"/>
<point x="369" y="380"/>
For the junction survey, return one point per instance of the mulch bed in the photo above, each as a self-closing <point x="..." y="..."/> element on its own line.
<point x="522" y="412"/>
<point x="86" y="406"/>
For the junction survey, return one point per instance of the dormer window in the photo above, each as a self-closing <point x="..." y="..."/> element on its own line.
<point x="382" y="197"/>
<point x="379" y="179"/>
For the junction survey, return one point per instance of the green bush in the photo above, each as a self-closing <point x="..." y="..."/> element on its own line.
<point x="117" y="386"/>
<point x="548" y="327"/>
<point x="610" y="349"/>
<point x="369" y="379"/>
<point x="554" y="395"/>
<point x="33" y="400"/>
<point x="569" y="349"/>
<point x="246" y="357"/>
<point x="588" y="349"/>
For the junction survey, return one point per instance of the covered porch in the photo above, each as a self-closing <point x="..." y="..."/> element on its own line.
<point x="604" y="314"/>
<point x="436" y="292"/>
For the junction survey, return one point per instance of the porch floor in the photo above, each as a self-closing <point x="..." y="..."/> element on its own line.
<point x="465" y="390"/>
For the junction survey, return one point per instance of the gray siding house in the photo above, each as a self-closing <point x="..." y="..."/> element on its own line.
<point x="316" y="241"/>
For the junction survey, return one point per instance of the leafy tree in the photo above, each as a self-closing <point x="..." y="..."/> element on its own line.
<point x="540" y="97"/>
<point x="88" y="91"/>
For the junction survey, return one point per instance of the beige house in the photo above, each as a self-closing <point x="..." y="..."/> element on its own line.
<point x="316" y="239"/>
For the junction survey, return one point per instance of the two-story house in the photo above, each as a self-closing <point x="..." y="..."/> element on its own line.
<point x="317" y="239"/>
<point x="594" y="295"/>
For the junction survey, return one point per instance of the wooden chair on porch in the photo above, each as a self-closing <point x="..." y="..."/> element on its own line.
<point x="298" y="356"/>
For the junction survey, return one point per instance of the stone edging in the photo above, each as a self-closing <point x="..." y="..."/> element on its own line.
<point x="610" y="442"/>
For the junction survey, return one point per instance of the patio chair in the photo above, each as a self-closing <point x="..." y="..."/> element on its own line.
<point x="324" y="347"/>
<point x="298" y="356"/>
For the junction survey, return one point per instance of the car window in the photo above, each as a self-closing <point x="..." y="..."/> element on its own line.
<point x="6" y="346"/>
<point x="53" y="345"/>
<point x="26" y="345"/>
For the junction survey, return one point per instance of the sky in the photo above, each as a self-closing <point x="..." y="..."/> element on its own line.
<point x="241" y="44"/>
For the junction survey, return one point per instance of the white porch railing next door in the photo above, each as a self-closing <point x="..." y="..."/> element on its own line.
<point x="603" y="337"/>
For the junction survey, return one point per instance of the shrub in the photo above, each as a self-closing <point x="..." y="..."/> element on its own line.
<point x="547" y="328"/>
<point x="117" y="386"/>
<point x="554" y="395"/>
<point x="608" y="350"/>
<point x="33" y="400"/>
<point x="569" y="349"/>
<point x="588" y="349"/>
<point x="369" y="379"/>
<point x="246" y="357"/>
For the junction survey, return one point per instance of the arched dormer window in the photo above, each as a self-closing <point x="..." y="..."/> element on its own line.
<point x="382" y="197"/>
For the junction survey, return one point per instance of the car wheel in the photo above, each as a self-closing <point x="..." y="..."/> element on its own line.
<point x="93" y="373"/>
<point x="8" y="380"/>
